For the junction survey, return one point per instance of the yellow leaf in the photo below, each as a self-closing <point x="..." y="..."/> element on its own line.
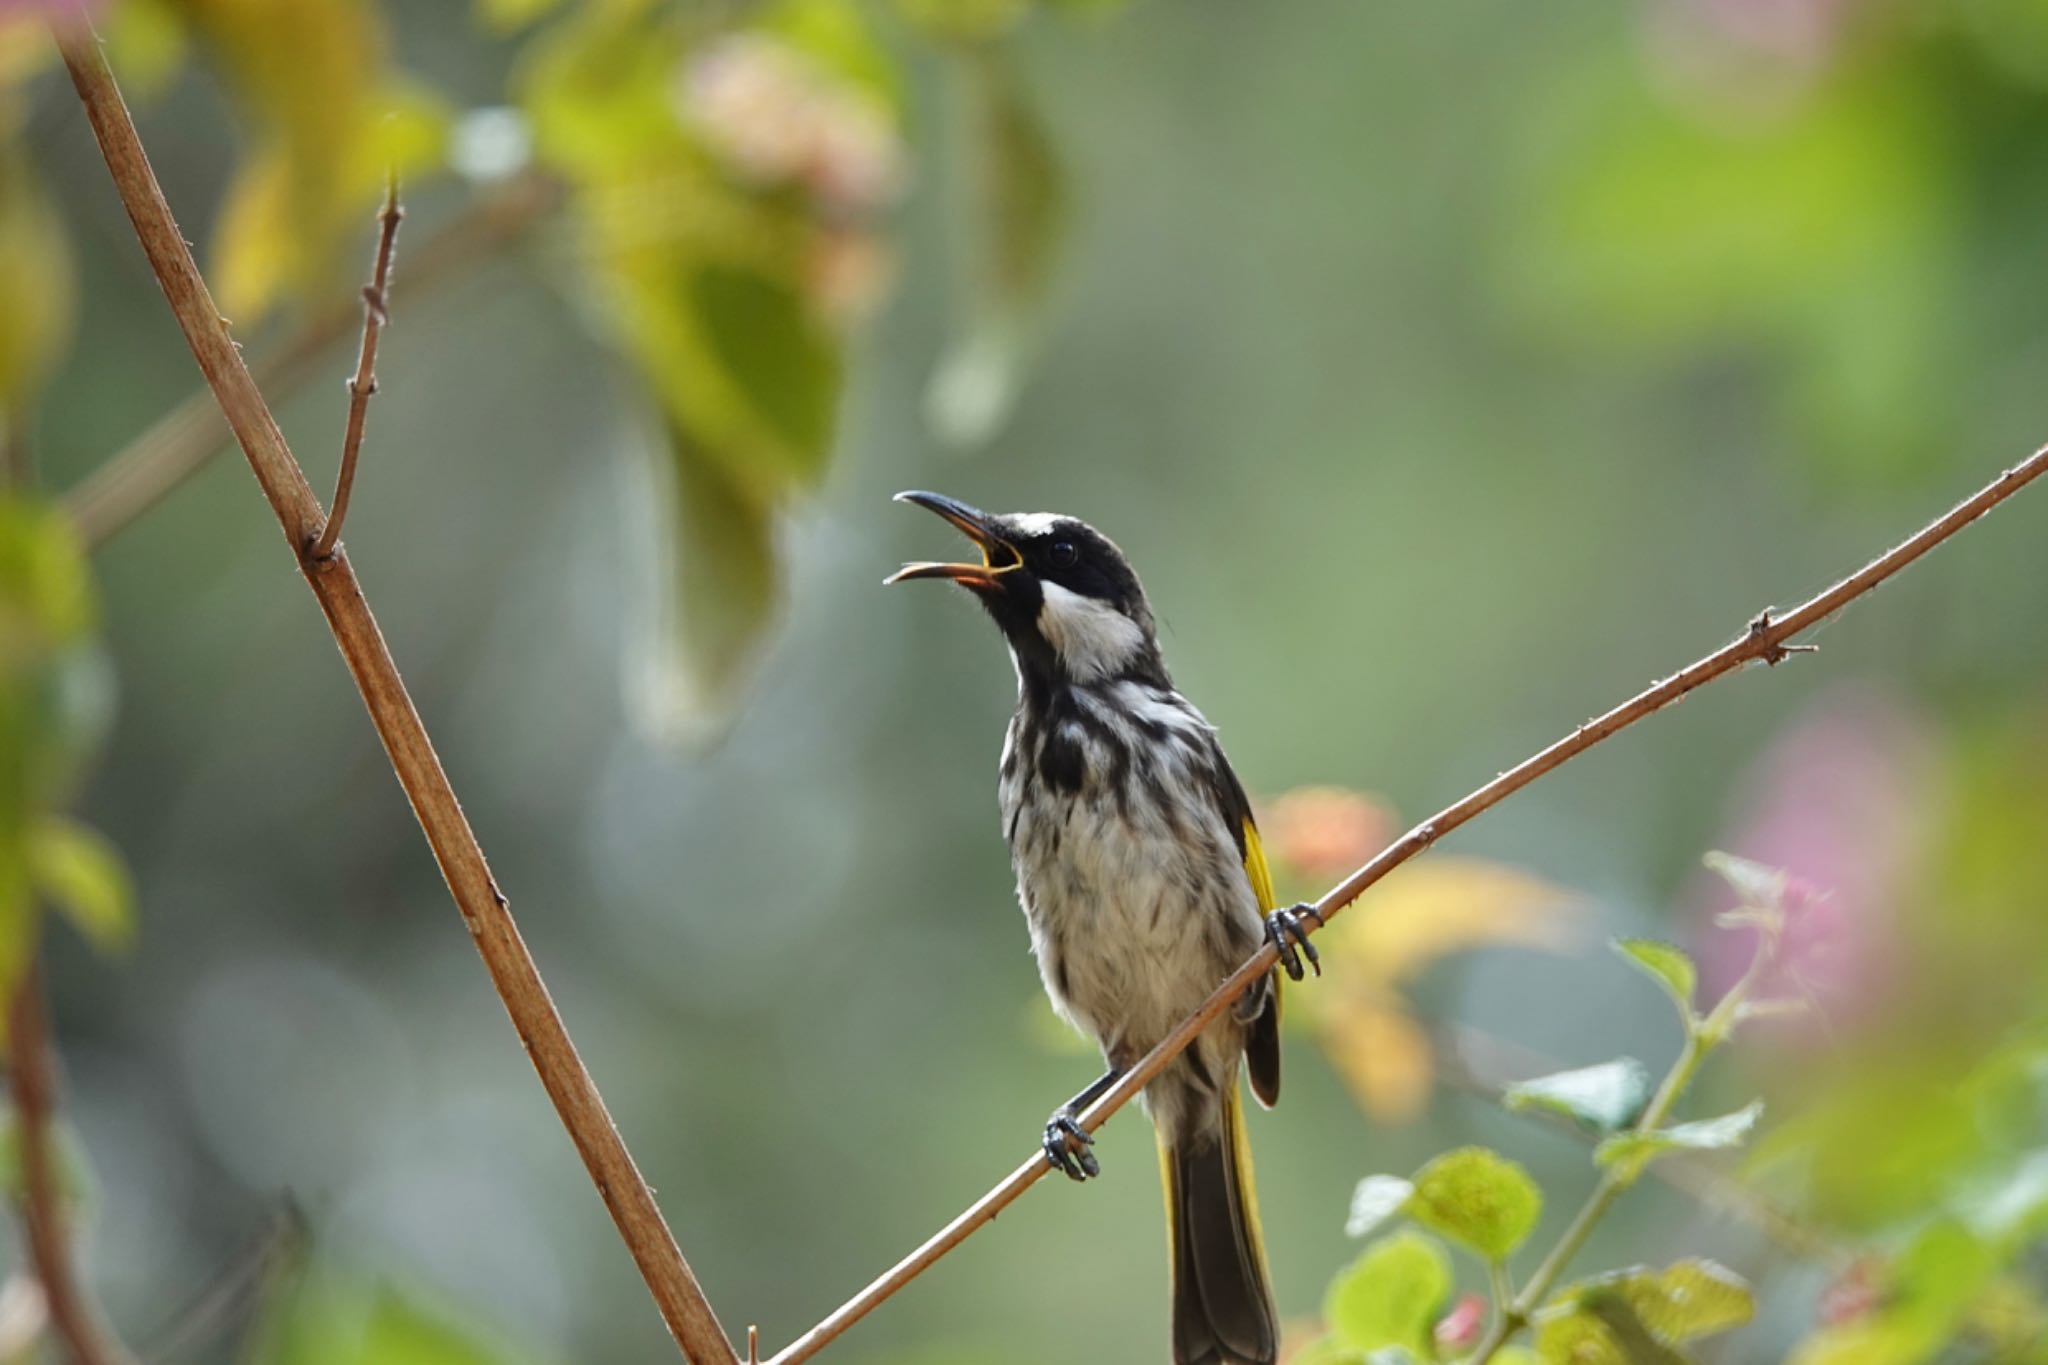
<point x="146" y="45"/>
<point x="1383" y="1057"/>
<point x="25" y="48"/>
<point x="76" y="869"/>
<point x="1439" y="906"/>
<point x="35" y="280"/>
<point x="257" y="250"/>
<point x="330" y="119"/>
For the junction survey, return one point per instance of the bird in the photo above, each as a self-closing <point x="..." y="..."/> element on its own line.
<point x="1143" y="884"/>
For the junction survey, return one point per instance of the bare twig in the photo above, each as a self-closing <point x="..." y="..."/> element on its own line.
<point x="185" y="439"/>
<point x="412" y="756"/>
<point x="1764" y="639"/>
<point x="74" y="1318"/>
<point x="363" y="383"/>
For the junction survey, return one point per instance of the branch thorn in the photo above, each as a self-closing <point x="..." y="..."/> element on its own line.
<point x="1773" y="652"/>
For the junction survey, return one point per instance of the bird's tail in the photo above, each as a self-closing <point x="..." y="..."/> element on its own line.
<point x="1222" y="1303"/>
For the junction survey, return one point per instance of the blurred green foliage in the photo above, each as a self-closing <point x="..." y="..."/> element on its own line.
<point x="53" y="713"/>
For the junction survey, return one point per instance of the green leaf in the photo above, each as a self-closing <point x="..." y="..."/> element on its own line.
<point x="1391" y="1295"/>
<point x="1479" y="1199"/>
<point x="46" y="593"/>
<point x="76" y="1184"/>
<point x="1578" y="1339"/>
<point x="146" y="45"/>
<point x="81" y="873"/>
<point x="1022" y="228"/>
<point x="1667" y="965"/>
<point x="1637" y="1343"/>
<point x="1377" y="1199"/>
<point x="1627" y="1153"/>
<point x="2011" y="1210"/>
<point x="53" y="682"/>
<point x="777" y="355"/>
<point x="1605" y="1098"/>
<point x="726" y="590"/>
<point x="1684" y="1301"/>
<point x="840" y="39"/>
<point x="332" y="1316"/>
<point x="1326" y="1350"/>
<point x="1754" y="884"/>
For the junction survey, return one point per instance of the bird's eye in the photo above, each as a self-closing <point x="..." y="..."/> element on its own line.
<point x="1063" y="554"/>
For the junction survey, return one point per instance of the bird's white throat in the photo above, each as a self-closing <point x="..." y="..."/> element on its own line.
<point x="1093" y="639"/>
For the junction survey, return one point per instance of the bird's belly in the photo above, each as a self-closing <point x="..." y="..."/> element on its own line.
<point x="1134" y="922"/>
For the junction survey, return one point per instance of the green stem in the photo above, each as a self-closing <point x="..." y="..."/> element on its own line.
<point x="1702" y="1036"/>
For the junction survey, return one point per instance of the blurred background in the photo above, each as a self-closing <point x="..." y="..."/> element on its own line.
<point x="1449" y="371"/>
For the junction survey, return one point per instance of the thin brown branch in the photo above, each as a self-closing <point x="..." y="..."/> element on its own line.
<point x="1765" y="638"/>
<point x="74" y="1318"/>
<point x="363" y="383"/>
<point x="412" y="755"/>
<point x="186" y="438"/>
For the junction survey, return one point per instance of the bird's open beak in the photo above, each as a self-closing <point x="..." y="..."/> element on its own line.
<point x="998" y="556"/>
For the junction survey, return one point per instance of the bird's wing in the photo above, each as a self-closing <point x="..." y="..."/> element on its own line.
<point x="1255" y="866"/>
<point x="1262" y="1039"/>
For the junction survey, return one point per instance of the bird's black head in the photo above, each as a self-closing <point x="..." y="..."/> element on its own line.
<point x="1065" y="596"/>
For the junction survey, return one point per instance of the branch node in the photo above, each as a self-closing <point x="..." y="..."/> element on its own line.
<point x="1773" y="652"/>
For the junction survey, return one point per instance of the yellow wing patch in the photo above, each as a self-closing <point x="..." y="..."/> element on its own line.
<point x="1255" y="866"/>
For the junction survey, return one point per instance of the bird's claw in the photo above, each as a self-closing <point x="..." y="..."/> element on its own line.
<point x="1286" y="931"/>
<point x="1067" y="1146"/>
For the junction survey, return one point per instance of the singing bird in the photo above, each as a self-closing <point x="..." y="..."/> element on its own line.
<point x="1142" y="880"/>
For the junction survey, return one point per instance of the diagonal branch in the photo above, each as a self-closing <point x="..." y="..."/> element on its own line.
<point x="418" y="768"/>
<point x="1766" y="638"/>
<point x="74" y="1317"/>
<point x="363" y="383"/>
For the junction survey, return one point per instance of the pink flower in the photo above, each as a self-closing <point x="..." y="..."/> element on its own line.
<point x="778" y="116"/>
<point x="1840" y="801"/>
<point x="1459" y="1329"/>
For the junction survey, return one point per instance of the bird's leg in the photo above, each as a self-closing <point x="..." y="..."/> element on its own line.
<point x="1285" y="930"/>
<point x="1066" y="1141"/>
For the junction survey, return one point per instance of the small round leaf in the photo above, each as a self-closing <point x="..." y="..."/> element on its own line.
<point x="1479" y="1199"/>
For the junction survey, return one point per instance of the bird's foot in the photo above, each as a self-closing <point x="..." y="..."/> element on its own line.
<point x="1287" y="931"/>
<point x="1067" y="1146"/>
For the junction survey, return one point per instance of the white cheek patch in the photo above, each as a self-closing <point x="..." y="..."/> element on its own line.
<point x="1092" y="638"/>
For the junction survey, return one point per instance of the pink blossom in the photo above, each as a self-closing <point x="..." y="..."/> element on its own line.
<point x="1841" y="800"/>
<point x="1459" y="1329"/>
<point x="778" y="116"/>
